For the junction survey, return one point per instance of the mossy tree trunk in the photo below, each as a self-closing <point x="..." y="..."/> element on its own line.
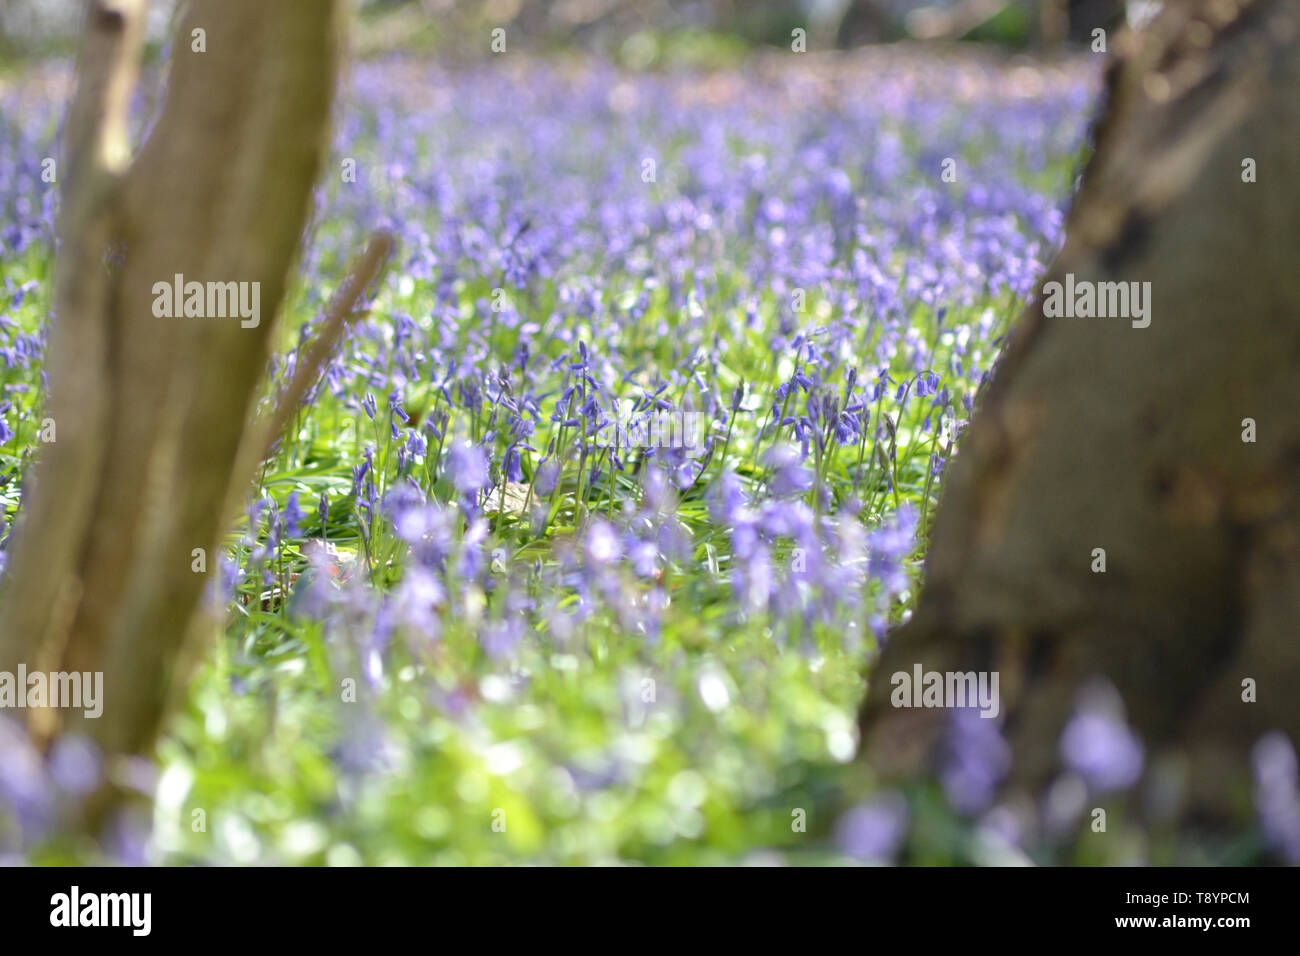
<point x="1097" y="434"/>
<point x="124" y="512"/>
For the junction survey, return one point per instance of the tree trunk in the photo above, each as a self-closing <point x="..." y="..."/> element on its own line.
<point x="153" y="414"/>
<point x="1098" y="434"/>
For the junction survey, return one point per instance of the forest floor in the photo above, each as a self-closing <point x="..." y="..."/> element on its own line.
<point x="581" y="549"/>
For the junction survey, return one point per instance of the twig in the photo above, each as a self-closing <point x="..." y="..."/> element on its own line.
<point x="342" y="311"/>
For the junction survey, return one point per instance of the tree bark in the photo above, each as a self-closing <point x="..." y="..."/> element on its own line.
<point x="152" y="412"/>
<point x="1094" y="433"/>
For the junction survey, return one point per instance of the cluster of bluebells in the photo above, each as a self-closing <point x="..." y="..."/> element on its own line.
<point x="42" y="792"/>
<point x="574" y="242"/>
<point x="776" y="255"/>
<point x="781" y="259"/>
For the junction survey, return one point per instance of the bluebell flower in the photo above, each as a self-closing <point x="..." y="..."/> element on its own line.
<point x="873" y="831"/>
<point x="1277" y="794"/>
<point x="789" y="475"/>
<point x="1098" y="745"/>
<point x="467" y="467"/>
<point x="976" y="759"/>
